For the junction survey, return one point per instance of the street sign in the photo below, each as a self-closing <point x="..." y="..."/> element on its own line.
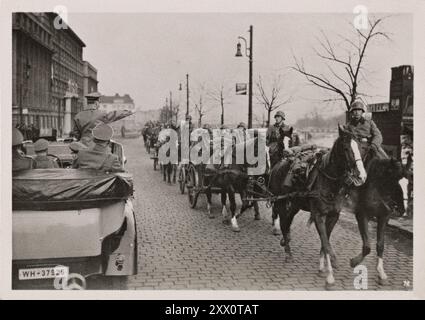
<point x="241" y="88"/>
<point x="379" y="107"/>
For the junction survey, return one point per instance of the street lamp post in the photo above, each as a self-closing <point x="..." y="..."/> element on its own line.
<point x="187" y="95"/>
<point x="248" y="53"/>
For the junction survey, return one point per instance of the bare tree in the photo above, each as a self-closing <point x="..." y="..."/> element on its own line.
<point x="199" y="103"/>
<point x="175" y="111"/>
<point x="271" y="99"/>
<point x="344" y="73"/>
<point x="220" y="95"/>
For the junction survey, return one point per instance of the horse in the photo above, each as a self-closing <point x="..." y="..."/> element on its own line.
<point x="230" y="179"/>
<point x="334" y="172"/>
<point x="379" y="197"/>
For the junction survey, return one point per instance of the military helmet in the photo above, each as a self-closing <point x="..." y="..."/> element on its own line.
<point x="358" y="105"/>
<point x="41" y="145"/>
<point x="280" y="114"/>
<point x="77" y="146"/>
<point x="241" y="125"/>
<point x="103" y="132"/>
<point x="17" y="137"/>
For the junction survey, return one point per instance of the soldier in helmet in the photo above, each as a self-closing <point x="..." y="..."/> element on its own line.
<point x="365" y="130"/>
<point x="86" y="120"/>
<point x="42" y="160"/>
<point x="240" y="133"/>
<point x="99" y="157"/>
<point x="274" y="134"/>
<point x="19" y="161"/>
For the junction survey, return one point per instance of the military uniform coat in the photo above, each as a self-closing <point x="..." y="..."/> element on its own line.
<point x="20" y="162"/>
<point x="365" y="129"/>
<point x="99" y="158"/>
<point x="45" y="162"/>
<point x="87" y="119"/>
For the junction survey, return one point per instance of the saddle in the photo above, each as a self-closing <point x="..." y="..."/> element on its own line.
<point x="302" y="164"/>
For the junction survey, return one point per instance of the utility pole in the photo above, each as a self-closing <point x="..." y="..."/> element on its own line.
<point x="171" y="107"/>
<point x="187" y="95"/>
<point x="222" y="106"/>
<point x="250" y="79"/>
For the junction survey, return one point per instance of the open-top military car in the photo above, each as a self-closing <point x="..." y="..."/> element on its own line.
<point x="70" y="225"/>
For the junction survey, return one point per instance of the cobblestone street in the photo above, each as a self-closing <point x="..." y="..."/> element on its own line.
<point x="181" y="248"/>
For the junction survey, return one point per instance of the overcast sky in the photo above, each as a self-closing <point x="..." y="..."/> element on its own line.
<point x="146" y="55"/>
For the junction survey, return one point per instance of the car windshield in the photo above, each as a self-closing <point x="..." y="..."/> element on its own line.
<point x="54" y="149"/>
<point x="59" y="149"/>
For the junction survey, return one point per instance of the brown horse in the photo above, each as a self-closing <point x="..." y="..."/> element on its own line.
<point x="332" y="174"/>
<point x="379" y="197"/>
<point x="231" y="179"/>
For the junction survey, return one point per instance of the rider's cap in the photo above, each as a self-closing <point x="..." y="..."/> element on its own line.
<point x="17" y="137"/>
<point x="76" y="146"/>
<point x="103" y="132"/>
<point x="280" y="114"/>
<point x="92" y="97"/>
<point x="41" y="145"/>
<point x="358" y="105"/>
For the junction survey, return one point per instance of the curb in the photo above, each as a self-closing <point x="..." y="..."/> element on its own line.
<point x="393" y="224"/>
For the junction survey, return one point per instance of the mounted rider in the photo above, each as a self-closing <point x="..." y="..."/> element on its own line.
<point x="275" y="133"/>
<point x="365" y="131"/>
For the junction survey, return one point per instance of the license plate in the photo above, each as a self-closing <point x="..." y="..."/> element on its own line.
<point x="43" y="273"/>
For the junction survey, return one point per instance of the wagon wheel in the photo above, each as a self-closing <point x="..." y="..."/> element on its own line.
<point x="192" y="186"/>
<point x="182" y="179"/>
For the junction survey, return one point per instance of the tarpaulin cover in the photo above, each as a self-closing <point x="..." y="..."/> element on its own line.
<point x="68" y="189"/>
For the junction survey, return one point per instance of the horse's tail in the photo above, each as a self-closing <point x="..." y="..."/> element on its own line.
<point x="310" y="220"/>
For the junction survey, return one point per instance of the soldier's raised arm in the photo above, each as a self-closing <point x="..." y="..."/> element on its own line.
<point x="116" y="115"/>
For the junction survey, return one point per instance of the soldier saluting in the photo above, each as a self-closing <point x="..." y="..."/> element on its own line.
<point x="89" y="118"/>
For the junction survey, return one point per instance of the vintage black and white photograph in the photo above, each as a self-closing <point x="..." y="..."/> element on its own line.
<point x="207" y="151"/>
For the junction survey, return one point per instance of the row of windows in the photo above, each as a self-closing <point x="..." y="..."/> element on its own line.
<point x="67" y="44"/>
<point x="40" y="121"/>
<point x="33" y="27"/>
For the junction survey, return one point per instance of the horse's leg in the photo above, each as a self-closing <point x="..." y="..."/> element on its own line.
<point x="320" y="222"/>
<point x="380" y="239"/>
<point x="277" y="207"/>
<point x="232" y="201"/>
<point x="286" y="216"/>
<point x="363" y="224"/>
<point x="169" y="169"/>
<point x="174" y="172"/>
<point x="164" y="173"/>
<point x="256" y="210"/>
<point x="224" y="210"/>
<point x="208" y="194"/>
<point x="331" y="221"/>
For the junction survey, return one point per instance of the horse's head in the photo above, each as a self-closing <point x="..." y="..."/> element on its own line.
<point x="348" y="151"/>
<point x="286" y="136"/>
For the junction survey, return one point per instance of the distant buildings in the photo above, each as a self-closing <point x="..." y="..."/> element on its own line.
<point x="147" y="115"/>
<point x="47" y="69"/>
<point x="395" y="118"/>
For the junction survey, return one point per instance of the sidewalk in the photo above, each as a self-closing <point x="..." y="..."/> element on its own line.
<point x="402" y="225"/>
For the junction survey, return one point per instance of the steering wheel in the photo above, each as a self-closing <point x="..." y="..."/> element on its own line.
<point x="58" y="160"/>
